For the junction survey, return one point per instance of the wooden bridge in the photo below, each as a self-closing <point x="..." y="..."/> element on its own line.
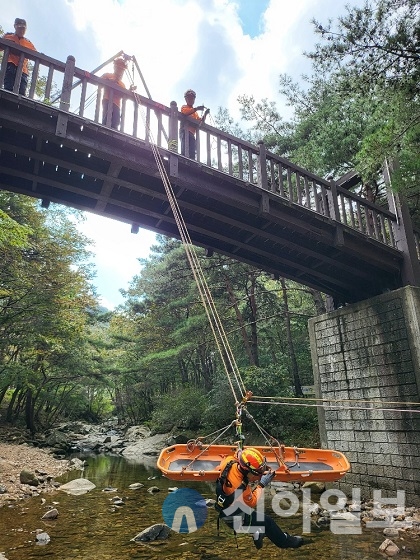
<point x="237" y="199"/>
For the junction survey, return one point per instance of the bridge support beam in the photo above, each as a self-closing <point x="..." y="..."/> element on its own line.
<point x="366" y="362"/>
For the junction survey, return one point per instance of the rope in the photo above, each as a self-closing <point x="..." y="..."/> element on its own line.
<point x="225" y="350"/>
<point x="207" y="446"/>
<point x="336" y="406"/>
<point x="269" y="440"/>
<point x="365" y="401"/>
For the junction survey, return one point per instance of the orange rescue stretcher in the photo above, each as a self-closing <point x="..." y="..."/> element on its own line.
<point x="292" y="464"/>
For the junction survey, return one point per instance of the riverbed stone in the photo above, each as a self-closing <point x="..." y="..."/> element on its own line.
<point x="28" y="477"/>
<point x="159" y="531"/>
<point x="50" y="514"/>
<point x="389" y="548"/>
<point x="315" y="487"/>
<point x="391" y="533"/>
<point x="136" y="486"/>
<point x="77" y="487"/>
<point x="43" y="538"/>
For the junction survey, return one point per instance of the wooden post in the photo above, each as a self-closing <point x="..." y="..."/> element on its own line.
<point x="67" y="83"/>
<point x="262" y="166"/>
<point x="334" y="211"/>
<point x="4" y="65"/>
<point x="18" y="75"/>
<point x="173" y="139"/>
<point x="173" y="128"/>
<point x="403" y="230"/>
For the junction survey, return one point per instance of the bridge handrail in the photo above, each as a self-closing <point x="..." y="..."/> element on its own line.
<point x="215" y="148"/>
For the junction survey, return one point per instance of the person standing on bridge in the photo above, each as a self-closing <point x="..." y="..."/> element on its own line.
<point x="120" y="66"/>
<point x="191" y="111"/>
<point x="19" y="38"/>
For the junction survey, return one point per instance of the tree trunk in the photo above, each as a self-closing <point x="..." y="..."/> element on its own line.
<point x="9" y="413"/>
<point x="29" y="412"/>
<point x="254" y="330"/>
<point x="241" y="322"/>
<point x="318" y="301"/>
<point x="292" y="354"/>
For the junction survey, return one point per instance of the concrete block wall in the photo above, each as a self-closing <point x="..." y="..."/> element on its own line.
<point x="370" y="351"/>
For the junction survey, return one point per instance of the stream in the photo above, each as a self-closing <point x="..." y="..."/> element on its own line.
<point x="90" y="526"/>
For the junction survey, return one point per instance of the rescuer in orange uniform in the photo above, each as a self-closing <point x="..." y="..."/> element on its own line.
<point x="189" y="110"/>
<point x="236" y="500"/>
<point x="14" y="56"/>
<point x="120" y="66"/>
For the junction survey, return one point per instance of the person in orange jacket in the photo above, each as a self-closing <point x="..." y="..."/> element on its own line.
<point x="236" y="499"/>
<point x="189" y="110"/>
<point x="19" y="38"/>
<point x="120" y="66"/>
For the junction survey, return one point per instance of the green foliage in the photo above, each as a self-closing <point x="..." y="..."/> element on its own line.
<point x="182" y="410"/>
<point x="292" y="425"/>
<point x="360" y="106"/>
<point x="44" y="293"/>
<point x="12" y="233"/>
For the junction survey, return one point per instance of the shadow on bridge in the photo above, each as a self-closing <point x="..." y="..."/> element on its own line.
<point x="236" y="198"/>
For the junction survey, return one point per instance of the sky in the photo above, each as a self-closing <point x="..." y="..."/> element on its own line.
<point x="219" y="48"/>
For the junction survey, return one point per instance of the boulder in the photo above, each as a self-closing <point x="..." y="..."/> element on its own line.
<point x="390" y="532"/>
<point x="77" y="487"/>
<point x="159" y="531"/>
<point x="50" y="514"/>
<point x="28" y="477"/>
<point x="43" y="538"/>
<point x="136" y="486"/>
<point x="389" y="548"/>
<point x="134" y="433"/>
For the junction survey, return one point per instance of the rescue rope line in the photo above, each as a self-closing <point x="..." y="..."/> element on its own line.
<point x="336" y="406"/>
<point x="323" y="399"/>
<point x="225" y="350"/>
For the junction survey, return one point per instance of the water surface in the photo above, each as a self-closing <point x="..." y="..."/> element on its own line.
<point x="90" y="527"/>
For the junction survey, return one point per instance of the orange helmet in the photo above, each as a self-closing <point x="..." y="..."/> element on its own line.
<point x="250" y="459"/>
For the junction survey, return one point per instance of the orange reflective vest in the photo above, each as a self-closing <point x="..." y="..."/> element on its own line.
<point x="23" y="42"/>
<point x="116" y="99"/>
<point x="235" y="479"/>
<point x="186" y="110"/>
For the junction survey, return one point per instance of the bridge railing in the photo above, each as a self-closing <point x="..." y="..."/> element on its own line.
<point x="301" y="187"/>
<point x="69" y="88"/>
<point x="74" y="90"/>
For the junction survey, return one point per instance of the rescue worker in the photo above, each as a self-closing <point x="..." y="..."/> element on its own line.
<point x="120" y="66"/>
<point x="189" y="110"/>
<point x="19" y="38"/>
<point x="236" y="500"/>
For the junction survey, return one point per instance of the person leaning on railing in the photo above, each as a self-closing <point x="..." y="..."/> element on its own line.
<point x="120" y="66"/>
<point x="190" y="111"/>
<point x="14" y="56"/>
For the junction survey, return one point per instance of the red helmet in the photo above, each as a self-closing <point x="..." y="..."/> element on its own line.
<point x="250" y="459"/>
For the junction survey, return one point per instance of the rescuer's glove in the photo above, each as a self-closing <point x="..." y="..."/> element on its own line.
<point x="266" y="478"/>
